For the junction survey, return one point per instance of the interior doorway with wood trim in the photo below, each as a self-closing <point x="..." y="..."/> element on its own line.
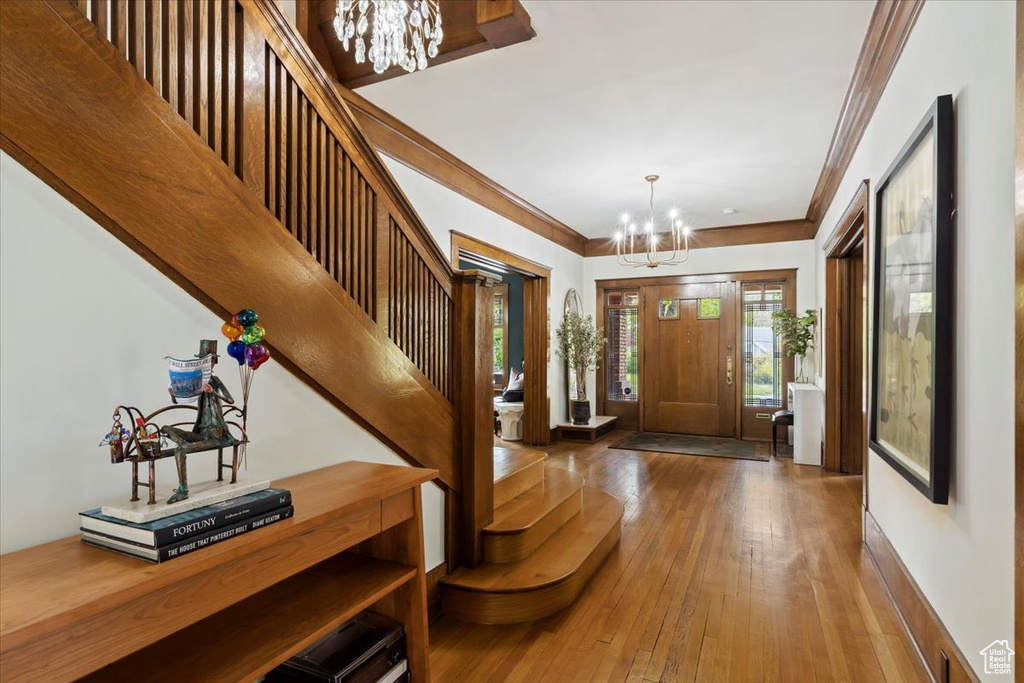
<point x="846" y="278"/>
<point x="523" y="294"/>
<point x="694" y="354"/>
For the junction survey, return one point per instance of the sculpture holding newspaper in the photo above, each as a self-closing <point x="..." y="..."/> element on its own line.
<point x="212" y="429"/>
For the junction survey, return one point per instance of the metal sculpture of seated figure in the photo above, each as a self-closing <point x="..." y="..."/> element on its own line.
<point x="210" y="431"/>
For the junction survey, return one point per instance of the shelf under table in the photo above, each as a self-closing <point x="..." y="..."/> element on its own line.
<point x="253" y="636"/>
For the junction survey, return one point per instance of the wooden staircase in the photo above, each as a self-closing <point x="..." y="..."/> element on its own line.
<point x="205" y="135"/>
<point x="549" y="535"/>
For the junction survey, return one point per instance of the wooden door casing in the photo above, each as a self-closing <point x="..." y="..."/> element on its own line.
<point x="536" y="327"/>
<point x="845" y="340"/>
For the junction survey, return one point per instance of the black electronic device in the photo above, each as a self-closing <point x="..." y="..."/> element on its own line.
<point x="364" y="649"/>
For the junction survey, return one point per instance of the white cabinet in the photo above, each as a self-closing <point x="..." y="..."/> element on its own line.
<point x="807" y="403"/>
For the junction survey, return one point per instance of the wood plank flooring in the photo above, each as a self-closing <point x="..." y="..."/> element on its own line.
<point x="727" y="570"/>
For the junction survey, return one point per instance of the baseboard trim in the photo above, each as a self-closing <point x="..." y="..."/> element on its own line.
<point x="919" y="619"/>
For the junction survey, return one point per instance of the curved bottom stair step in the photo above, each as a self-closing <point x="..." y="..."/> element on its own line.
<point x="521" y="525"/>
<point x="545" y="582"/>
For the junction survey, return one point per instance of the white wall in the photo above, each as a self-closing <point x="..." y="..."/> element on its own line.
<point x="84" y="325"/>
<point x="443" y="210"/>
<point x="288" y="8"/>
<point x="961" y="554"/>
<point x="800" y="255"/>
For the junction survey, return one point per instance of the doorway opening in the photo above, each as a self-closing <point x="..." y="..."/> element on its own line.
<point x="845" y="339"/>
<point x="689" y="354"/>
<point x="521" y="328"/>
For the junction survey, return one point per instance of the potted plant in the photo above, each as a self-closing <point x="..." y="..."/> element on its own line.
<point x="797" y="335"/>
<point x="579" y="343"/>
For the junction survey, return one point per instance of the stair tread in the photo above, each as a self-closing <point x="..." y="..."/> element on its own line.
<point x="529" y="507"/>
<point x="556" y="559"/>
<point x="508" y="461"/>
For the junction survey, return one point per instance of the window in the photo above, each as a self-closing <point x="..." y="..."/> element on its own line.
<point x="621" y="298"/>
<point x="622" y="351"/>
<point x="709" y="309"/>
<point x="500" y="336"/>
<point x="762" y="351"/>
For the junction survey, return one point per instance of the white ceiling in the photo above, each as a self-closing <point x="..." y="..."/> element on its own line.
<point x="732" y="103"/>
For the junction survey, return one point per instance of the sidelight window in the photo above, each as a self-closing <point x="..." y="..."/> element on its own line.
<point x="622" y="351"/>
<point x="500" y="336"/>
<point x="762" y="349"/>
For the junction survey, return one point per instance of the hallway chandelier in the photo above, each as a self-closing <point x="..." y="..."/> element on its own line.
<point x="403" y="33"/>
<point x="650" y="249"/>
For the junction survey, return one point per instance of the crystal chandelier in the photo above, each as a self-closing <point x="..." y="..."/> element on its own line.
<point x="404" y="32"/>
<point x="653" y="246"/>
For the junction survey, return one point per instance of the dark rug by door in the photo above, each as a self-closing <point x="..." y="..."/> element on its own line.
<point x="694" y="445"/>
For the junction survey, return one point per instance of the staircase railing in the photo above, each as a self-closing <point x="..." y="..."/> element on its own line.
<point x="362" y="301"/>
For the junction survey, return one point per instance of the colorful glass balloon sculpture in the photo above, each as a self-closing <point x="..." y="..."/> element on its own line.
<point x="264" y="359"/>
<point x="231" y="331"/>
<point x="246" y="317"/>
<point x="253" y="334"/>
<point x="255" y="354"/>
<point x="236" y="350"/>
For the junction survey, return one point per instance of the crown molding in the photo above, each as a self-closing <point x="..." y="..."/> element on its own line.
<point x="400" y="142"/>
<point x="888" y="30"/>
<point x="725" y="236"/>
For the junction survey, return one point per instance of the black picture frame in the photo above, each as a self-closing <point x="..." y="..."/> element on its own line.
<point x="900" y="301"/>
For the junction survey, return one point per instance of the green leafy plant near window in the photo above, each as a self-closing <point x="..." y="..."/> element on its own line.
<point x="579" y="344"/>
<point x="796" y="333"/>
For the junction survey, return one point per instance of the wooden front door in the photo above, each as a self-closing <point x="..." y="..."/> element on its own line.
<point x="689" y="359"/>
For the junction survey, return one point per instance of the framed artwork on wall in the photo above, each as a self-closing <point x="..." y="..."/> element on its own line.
<point x="911" y="419"/>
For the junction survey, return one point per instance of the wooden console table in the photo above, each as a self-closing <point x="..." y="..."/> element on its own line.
<point x="235" y="610"/>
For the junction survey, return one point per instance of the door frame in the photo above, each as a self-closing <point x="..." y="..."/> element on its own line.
<point x="536" y="324"/>
<point x="788" y="276"/>
<point x="1018" y="572"/>
<point x="852" y="231"/>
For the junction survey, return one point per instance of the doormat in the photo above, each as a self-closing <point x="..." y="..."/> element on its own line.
<point x="686" y="444"/>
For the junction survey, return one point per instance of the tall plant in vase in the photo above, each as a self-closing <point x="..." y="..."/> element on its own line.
<point x="579" y="344"/>
<point x="797" y="335"/>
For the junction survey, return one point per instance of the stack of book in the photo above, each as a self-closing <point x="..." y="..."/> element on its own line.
<point x="186" y="532"/>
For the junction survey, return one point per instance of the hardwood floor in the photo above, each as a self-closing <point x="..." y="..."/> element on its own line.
<point x="727" y="570"/>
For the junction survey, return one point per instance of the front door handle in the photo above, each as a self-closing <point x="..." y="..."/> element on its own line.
<point x="728" y="370"/>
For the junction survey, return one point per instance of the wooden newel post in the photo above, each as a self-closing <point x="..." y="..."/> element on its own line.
<point x="473" y="508"/>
